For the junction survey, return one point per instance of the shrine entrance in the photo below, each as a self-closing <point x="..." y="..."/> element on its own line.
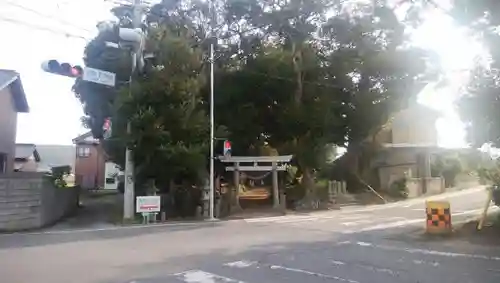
<point x="249" y="176"/>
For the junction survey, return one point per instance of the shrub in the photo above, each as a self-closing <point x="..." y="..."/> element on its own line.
<point x="398" y="189"/>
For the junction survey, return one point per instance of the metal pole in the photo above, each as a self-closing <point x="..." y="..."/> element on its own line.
<point x="212" y="138"/>
<point x="212" y="120"/>
<point x="129" y="194"/>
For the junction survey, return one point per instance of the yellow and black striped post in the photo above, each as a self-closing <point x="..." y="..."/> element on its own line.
<point x="438" y="217"/>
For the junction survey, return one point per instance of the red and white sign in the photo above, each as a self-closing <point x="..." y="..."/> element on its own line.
<point x="148" y="204"/>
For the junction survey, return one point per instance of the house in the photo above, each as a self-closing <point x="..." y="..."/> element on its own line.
<point x="54" y="155"/>
<point x="408" y="141"/>
<point x="12" y="101"/>
<point x="41" y="158"/>
<point x="90" y="162"/>
<point x="27" y="158"/>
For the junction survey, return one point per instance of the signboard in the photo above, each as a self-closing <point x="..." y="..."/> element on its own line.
<point x="99" y="76"/>
<point x="146" y="204"/>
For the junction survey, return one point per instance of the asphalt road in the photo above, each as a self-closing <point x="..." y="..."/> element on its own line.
<point x="358" y="244"/>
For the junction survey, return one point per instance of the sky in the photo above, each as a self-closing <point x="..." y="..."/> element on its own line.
<point x="37" y="32"/>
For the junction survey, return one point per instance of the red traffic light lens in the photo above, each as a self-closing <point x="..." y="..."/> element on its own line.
<point x="75" y="72"/>
<point x="107" y="124"/>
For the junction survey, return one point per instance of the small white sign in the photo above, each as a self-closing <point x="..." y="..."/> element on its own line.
<point x="99" y="76"/>
<point x="147" y="204"/>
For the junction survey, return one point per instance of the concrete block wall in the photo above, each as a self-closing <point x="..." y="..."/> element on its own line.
<point x="433" y="185"/>
<point x="28" y="200"/>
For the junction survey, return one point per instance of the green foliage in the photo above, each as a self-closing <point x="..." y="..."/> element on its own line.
<point x="398" y="189"/>
<point x="169" y="127"/>
<point x="496" y="195"/>
<point x="478" y="108"/>
<point x="446" y="166"/>
<point x="58" y="173"/>
<point x="302" y="77"/>
<point x="491" y="175"/>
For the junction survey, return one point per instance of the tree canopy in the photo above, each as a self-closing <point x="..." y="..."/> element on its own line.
<point x="479" y="104"/>
<point x="299" y="76"/>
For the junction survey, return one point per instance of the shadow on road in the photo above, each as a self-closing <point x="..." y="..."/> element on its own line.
<point x="20" y="240"/>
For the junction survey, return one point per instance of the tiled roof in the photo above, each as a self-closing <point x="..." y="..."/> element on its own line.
<point x="83" y="139"/>
<point x="13" y="79"/>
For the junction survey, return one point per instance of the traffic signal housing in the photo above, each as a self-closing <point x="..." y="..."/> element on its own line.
<point x="227" y="149"/>
<point x="63" y="69"/>
<point x="100" y="127"/>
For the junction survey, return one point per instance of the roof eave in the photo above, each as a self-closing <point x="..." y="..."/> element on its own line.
<point x="20" y="99"/>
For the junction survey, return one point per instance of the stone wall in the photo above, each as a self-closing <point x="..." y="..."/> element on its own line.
<point x="465" y="181"/>
<point x="29" y="200"/>
<point x="433" y="185"/>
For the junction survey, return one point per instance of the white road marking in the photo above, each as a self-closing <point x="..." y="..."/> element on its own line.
<point x="200" y="276"/>
<point x="403" y="223"/>
<point x="385" y="226"/>
<point x="367" y="267"/>
<point x="321" y="275"/>
<point x="419" y="262"/>
<point x="414" y="201"/>
<point x="112" y="228"/>
<point x="354" y="223"/>
<point x="246" y="264"/>
<point x="423" y="251"/>
<point x="240" y="263"/>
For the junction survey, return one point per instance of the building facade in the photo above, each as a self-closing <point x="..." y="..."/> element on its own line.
<point x="90" y="162"/>
<point x="12" y="101"/>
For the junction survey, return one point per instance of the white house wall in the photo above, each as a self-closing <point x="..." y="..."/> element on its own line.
<point x="110" y="173"/>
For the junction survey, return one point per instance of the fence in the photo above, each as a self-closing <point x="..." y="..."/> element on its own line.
<point x="29" y="200"/>
<point x="336" y="188"/>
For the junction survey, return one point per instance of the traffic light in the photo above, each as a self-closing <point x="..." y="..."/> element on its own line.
<point x="100" y="127"/>
<point x="106" y="127"/>
<point x="227" y="148"/>
<point x="63" y="69"/>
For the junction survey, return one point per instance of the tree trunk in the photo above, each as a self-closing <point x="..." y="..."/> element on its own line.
<point x="351" y="164"/>
<point x="308" y="185"/>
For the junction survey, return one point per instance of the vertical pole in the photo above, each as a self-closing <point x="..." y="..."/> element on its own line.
<point x="235" y="202"/>
<point x="276" y="199"/>
<point x="129" y="194"/>
<point x="212" y="110"/>
<point x="212" y="137"/>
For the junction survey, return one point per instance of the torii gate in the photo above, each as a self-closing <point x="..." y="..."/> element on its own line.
<point x="278" y="163"/>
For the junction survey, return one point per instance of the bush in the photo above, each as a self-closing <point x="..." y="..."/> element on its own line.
<point x="496" y="195"/>
<point x="57" y="175"/>
<point x="398" y="189"/>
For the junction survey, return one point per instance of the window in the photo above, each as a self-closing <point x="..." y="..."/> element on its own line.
<point x="3" y="162"/>
<point x="83" y="152"/>
<point x="110" y="181"/>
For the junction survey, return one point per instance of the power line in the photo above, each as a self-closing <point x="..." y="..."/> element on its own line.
<point x="34" y="26"/>
<point x="47" y="16"/>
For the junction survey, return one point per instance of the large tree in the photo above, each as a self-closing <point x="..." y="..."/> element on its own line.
<point x="168" y="122"/>
<point x="299" y="76"/>
<point x="478" y="106"/>
<point x="315" y="78"/>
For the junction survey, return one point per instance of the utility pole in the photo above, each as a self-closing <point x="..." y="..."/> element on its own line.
<point x="212" y="120"/>
<point x="129" y="194"/>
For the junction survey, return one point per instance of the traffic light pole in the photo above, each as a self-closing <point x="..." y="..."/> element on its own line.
<point x="212" y="112"/>
<point x="129" y="194"/>
<point x="212" y="137"/>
